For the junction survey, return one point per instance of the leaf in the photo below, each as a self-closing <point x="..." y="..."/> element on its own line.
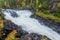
<point x="11" y="36"/>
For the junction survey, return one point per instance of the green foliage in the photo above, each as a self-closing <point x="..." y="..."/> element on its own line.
<point x="48" y="16"/>
<point x="2" y="15"/>
<point x="7" y="3"/>
<point x="12" y="3"/>
<point x="44" y="38"/>
<point x="32" y="4"/>
<point x="57" y="13"/>
<point x="1" y="3"/>
<point x="11" y="36"/>
<point x="59" y="4"/>
<point x="37" y="5"/>
<point x="1" y="33"/>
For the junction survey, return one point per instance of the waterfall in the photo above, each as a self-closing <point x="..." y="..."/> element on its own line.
<point x="29" y="24"/>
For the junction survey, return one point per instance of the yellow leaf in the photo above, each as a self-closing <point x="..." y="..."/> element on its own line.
<point x="11" y="36"/>
<point x="1" y="23"/>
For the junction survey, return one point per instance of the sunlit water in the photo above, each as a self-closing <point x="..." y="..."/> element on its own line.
<point x="30" y="25"/>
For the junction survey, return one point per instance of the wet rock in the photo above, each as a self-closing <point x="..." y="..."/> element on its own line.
<point x="1" y="38"/>
<point x="21" y="33"/>
<point x="48" y="22"/>
<point x="32" y="36"/>
<point x="13" y="14"/>
<point x="9" y="25"/>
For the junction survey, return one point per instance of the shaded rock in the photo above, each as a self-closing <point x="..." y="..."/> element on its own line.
<point x="48" y="22"/>
<point x="13" y="14"/>
<point x="32" y="36"/>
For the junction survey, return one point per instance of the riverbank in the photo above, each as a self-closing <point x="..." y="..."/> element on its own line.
<point x="47" y="22"/>
<point x="48" y="16"/>
<point x="9" y="27"/>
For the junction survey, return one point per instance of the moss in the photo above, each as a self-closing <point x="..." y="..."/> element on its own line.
<point x="24" y="3"/>
<point x="48" y="15"/>
<point x="44" y="38"/>
<point x="2" y="15"/>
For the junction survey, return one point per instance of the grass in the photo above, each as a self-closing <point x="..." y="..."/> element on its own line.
<point x="48" y="15"/>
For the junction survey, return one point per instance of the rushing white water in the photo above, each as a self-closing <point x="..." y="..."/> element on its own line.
<point x="31" y="25"/>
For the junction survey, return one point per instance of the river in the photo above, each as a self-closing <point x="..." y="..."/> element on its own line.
<point x="31" y="25"/>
